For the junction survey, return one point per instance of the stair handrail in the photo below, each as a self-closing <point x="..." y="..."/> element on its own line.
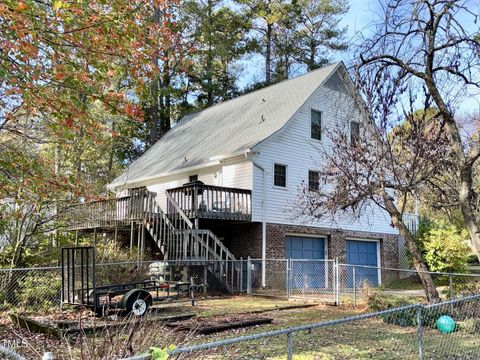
<point x="210" y="233"/>
<point x="179" y="210"/>
<point x="229" y="254"/>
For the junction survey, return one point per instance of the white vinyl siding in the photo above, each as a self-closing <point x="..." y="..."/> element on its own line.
<point x="235" y="173"/>
<point x="294" y="147"/>
<point x="205" y="175"/>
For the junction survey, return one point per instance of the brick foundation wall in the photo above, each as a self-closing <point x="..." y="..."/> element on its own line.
<point x="336" y="241"/>
<point x="246" y="240"/>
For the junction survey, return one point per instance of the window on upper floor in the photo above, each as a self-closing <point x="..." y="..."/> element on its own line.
<point x="193" y="178"/>
<point x="313" y="180"/>
<point x="354" y="132"/>
<point x="280" y="175"/>
<point x="316" y="125"/>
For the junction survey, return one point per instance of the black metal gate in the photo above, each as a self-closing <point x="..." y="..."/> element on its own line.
<point x="78" y="275"/>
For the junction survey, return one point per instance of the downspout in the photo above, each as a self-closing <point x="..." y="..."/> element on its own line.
<point x="264" y="219"/>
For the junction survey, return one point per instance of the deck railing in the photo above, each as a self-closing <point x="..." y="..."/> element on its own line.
<point x="411" y="222"/>
<point x="109" y="212"/>
<point x="212" y="202"/>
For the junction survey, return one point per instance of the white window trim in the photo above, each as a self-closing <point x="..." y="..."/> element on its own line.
<point x="350" y="128"/>
<point x="310" y="124"/>
<point x="286" y="176"/>
<point x="308" y="179"/>
<point x="379" y="259"/>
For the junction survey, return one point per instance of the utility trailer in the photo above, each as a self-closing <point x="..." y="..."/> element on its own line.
<point x="79" y="287"/>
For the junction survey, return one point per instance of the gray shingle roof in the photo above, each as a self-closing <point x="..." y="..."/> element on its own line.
<point x="226" y="128"/>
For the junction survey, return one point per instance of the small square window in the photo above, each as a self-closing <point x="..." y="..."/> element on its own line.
<point x="280" y="175"/>
<point x="193" y="178"/>
<point x="354" y="132"/>
<point x="313" y="180"/>
<point x="316" y="125"/>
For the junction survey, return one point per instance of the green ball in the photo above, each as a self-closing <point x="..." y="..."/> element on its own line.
<point x="446" y="324"/>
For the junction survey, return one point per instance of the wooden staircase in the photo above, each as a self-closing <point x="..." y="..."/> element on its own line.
<point x="179" y="240"/>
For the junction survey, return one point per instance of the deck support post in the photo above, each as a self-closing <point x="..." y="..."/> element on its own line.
<point x="138" y="240"/>
<point x="76" y="237"/>
<point x="94" y="236"/>
<point x="131" y="236"/>
<point x="205" y="278"/>
<point x="142" y="245"/>
<point x="115" y="237"/>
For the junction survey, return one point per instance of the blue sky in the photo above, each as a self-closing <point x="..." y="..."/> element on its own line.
<point x="358" y="18"/>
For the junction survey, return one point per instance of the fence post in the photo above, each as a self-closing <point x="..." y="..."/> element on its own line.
<point x="287" y="278"/>
<point x="336" y="282"/>
<point x="420" y="332"/>
<point x="354" y="287"/>
<point x="249" y="275"/>
<point x="205" y="278"/>
<point x="450" y="284"/>
<point x="289" y="346"/>
<point x="241" y="275"/>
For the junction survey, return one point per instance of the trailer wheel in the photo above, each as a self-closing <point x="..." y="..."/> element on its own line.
<point x="138" y="303"/>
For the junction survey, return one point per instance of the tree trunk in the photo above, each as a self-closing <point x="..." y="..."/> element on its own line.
<point x="153" y="137"/>
<point x="468" y="213"/>
<point x="209" y="69"/>
<point x="422" y="270"/>
<point x="165" y="99"/>
<point x="209" y="76"/>
<point x="311" y="60"/>
<point x="268" y="54"/>
<point x="112" y="151"/>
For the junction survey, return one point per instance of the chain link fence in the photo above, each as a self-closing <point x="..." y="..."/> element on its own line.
<point x="357" y="283"/>
<point x="33" y="288"/>
<point x="321" y="280"/>
<point x="447" y="330"/>
<point x="40" y="288"/>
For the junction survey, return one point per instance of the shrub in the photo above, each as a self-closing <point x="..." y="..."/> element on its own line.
<point x="39" y="291"/>
<point x="125" y="267"/>
<point x="379" y="301"/>
<point x="443" y="246"/>
<point x="107" y="253"/>
<point x="405" y="318"/>
<point x="473" y="259"/>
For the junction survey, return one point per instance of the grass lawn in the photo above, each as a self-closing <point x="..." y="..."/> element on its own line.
<point x="365" y="339"/>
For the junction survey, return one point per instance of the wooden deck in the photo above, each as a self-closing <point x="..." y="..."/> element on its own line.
<point x="195" y="201"/>
<point x="212" y="202"/>
<point x="110" y="213"/>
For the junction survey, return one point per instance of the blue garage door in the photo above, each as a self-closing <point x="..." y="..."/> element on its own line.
<point x="307" y="271"/>
<point x="362" y="253"/>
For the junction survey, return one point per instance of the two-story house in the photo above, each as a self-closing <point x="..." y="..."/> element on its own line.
<point x="232" y="173"/>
